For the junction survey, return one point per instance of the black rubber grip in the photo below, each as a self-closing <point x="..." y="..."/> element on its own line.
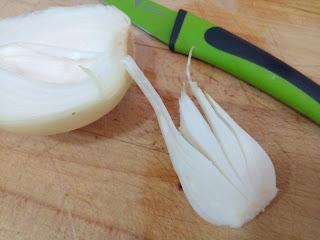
<point x="230" y="43"/>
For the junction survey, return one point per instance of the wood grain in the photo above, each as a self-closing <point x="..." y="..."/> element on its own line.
<point x="114" y="180"/>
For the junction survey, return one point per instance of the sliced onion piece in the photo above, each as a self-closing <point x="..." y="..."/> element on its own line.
<point x="223" y="191"/>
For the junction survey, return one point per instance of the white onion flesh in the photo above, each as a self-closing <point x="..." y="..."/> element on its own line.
<point x="226" y="175"/>
<point x="60" y="69"/>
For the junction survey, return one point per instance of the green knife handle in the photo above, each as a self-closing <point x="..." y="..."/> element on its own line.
<point x="234" y="55"/>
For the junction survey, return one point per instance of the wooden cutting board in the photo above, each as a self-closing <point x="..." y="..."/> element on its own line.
<point x="114" y="180"/>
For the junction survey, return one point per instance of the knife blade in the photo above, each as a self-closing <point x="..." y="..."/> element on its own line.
<point x="182" y="30"/>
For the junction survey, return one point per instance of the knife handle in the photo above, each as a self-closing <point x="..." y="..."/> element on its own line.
<point x="240" y="58"/>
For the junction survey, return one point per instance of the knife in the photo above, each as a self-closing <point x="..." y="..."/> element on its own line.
<point x="182" y="30"/>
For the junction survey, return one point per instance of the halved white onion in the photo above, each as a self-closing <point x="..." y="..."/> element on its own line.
<point x="60" y="69"/>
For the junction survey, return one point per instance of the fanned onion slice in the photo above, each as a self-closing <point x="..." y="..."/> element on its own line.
<point x="226" y="175"/>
